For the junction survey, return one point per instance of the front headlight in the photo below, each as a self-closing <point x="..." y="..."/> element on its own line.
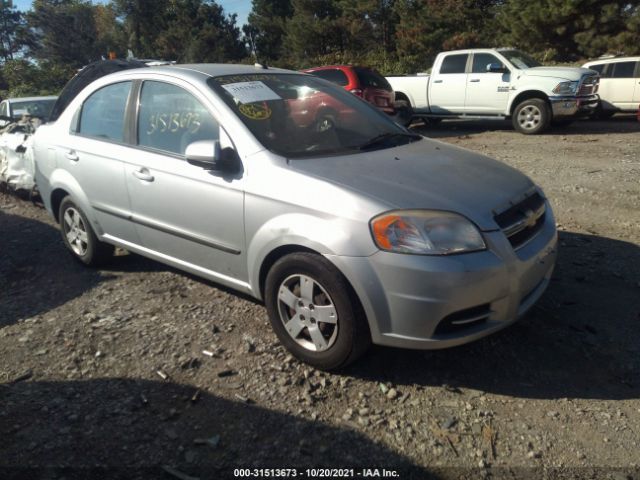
<point x="566" y="88"/>
<point x="425" y="232"/>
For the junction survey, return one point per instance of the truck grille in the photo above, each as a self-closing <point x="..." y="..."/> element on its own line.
<point x="589" y="85"/>
<point x="523" y="221"/>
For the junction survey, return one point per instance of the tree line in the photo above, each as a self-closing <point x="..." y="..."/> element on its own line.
<point x="40" y="49"/>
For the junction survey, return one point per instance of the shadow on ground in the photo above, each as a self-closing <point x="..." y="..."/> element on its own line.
<point x="457" y="128"/>
<point x="37" y="273"/>
<point x="580" y="341"/>
<point x="130" y="429"/>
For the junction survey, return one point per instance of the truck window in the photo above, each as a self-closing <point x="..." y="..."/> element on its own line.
<point x="454" y="63"/>
<point x="333" y="75"/>
<point x="481" y="60"/>
<point x="598" y="68"/>
<point x="623" y="70"/>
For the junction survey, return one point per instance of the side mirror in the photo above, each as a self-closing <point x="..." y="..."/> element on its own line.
<point x="205" y="154"/>
<point x="497" y="68"/>
<point x="209" y="155"/>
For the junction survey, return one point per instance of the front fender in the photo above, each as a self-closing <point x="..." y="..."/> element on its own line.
<point x="327" y="236"/>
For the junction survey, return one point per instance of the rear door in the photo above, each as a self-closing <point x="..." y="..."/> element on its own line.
<point x="181" y="211"/>
<point x="447" y="87"/>
<point x="487" y="92"/>
<point x="93" y="154"/>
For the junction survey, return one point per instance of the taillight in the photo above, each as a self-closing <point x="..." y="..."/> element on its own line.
<point x="357" y="92"/>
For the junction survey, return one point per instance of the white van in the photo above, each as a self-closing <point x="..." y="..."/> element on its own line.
<point x="619" y="84"/>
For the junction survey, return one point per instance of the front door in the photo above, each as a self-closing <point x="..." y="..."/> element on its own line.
<point x="181" y="211"/>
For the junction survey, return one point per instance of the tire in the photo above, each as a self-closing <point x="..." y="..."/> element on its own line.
<point x="404" y="111"/>
<point x="600" y="114"/>
<point x="325" y="122"/>
<point x="302" y="286"/>
<point x="531" y="116"/>
<point x="79" y="237"/>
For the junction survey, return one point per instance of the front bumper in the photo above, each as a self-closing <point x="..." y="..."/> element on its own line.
<point x="570" y="106"/>
<point x="408" y="299"/>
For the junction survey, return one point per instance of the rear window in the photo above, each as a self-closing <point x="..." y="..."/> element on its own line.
<point x="333" y="75"/>
<point x="372" y="79"/>
<point x="454" y="63"/>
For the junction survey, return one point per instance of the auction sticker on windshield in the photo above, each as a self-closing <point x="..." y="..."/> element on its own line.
<point x="250" y="92"/>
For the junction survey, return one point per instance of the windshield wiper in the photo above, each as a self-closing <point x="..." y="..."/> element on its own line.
<point x="387" y="136"/>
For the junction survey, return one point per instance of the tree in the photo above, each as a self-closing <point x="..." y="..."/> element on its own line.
<point x="198" y="31"/>
<point x="143" y="22"/>
<point x="427" y="27"/>
<point x="14" y="33"/>
<point x="267" y="27"/>
<point x="568" y="30"/>
<point x="65" y="32"/>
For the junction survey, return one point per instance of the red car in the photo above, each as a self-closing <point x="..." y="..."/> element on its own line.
<point x="364" y="83"/>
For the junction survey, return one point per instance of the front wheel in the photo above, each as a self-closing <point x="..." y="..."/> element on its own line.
<point x="314" y="312"/>
<point x="79" y="237"/>
<point x="531" y="116"/>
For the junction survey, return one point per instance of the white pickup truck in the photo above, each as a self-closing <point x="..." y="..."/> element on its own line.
<point x="499" y="83"/>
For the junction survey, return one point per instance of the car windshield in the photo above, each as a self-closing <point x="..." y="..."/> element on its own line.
<point x="35" y="108"/>
<point x="519" y="59"/>
<point x="303" y="116"/>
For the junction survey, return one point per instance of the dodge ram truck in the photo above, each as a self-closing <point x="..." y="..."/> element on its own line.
<point x="499" y="83"/>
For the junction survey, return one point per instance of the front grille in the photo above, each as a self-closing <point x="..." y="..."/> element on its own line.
<point x="589" y="85"/>
<point x="521" y="222"/>
<point x="464" y="319"/>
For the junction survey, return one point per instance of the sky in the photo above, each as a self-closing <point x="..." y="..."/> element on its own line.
<point x="241" y="7"/>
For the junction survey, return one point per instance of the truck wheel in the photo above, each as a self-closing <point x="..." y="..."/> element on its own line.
<point x="531" y="116"/>
<point x="79" y="237"/>
<point x="314" y="313"/>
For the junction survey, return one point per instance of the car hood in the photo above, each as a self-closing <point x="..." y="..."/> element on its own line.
<point x="565" y="73"/>
<point x="426" y="175"/>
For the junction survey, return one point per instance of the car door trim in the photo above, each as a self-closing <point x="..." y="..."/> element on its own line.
<point x="212" y="275"/>
<point x="192" y="237"/>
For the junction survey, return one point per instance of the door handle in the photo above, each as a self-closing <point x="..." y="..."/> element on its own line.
<point x="475" y="80"/>
<point x="143" y="174"/>
<point x="437" y="81"/>
<point x="72" y="155"/>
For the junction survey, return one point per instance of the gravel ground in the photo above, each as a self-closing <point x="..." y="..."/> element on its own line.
<point x="103" y="373"/>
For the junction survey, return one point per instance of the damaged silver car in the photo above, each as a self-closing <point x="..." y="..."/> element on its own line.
<point x="349" y="227"/>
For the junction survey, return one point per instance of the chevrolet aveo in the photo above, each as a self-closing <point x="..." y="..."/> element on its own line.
<point x="349" y="227"/>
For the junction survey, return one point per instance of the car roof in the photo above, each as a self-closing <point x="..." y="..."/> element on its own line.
<point x="612" y="60"/>
<point x="215" y="69"/>
<point x="31" y="99"/>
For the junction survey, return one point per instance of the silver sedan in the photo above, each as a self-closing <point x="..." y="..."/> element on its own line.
<point x="349" y="227"/>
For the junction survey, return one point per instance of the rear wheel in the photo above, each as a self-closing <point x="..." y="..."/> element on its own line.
<point x="79" y="237"/>
<point x="531" y="116"/>
<point x="314" y="312"/>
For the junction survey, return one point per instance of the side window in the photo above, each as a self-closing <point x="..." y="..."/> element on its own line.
<point x="3" y="109"/>
<point x="598" y="68"/>
<point x="481" y="60"/>
<point x="454" y="63"/>
<point x="333" y="75"/>
<point x="623" y="70"/>
<point x="102" y="113"/>
<point x="170" y="118"/>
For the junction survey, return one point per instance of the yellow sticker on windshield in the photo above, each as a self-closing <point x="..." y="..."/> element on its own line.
<point x="255" y="111"/>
